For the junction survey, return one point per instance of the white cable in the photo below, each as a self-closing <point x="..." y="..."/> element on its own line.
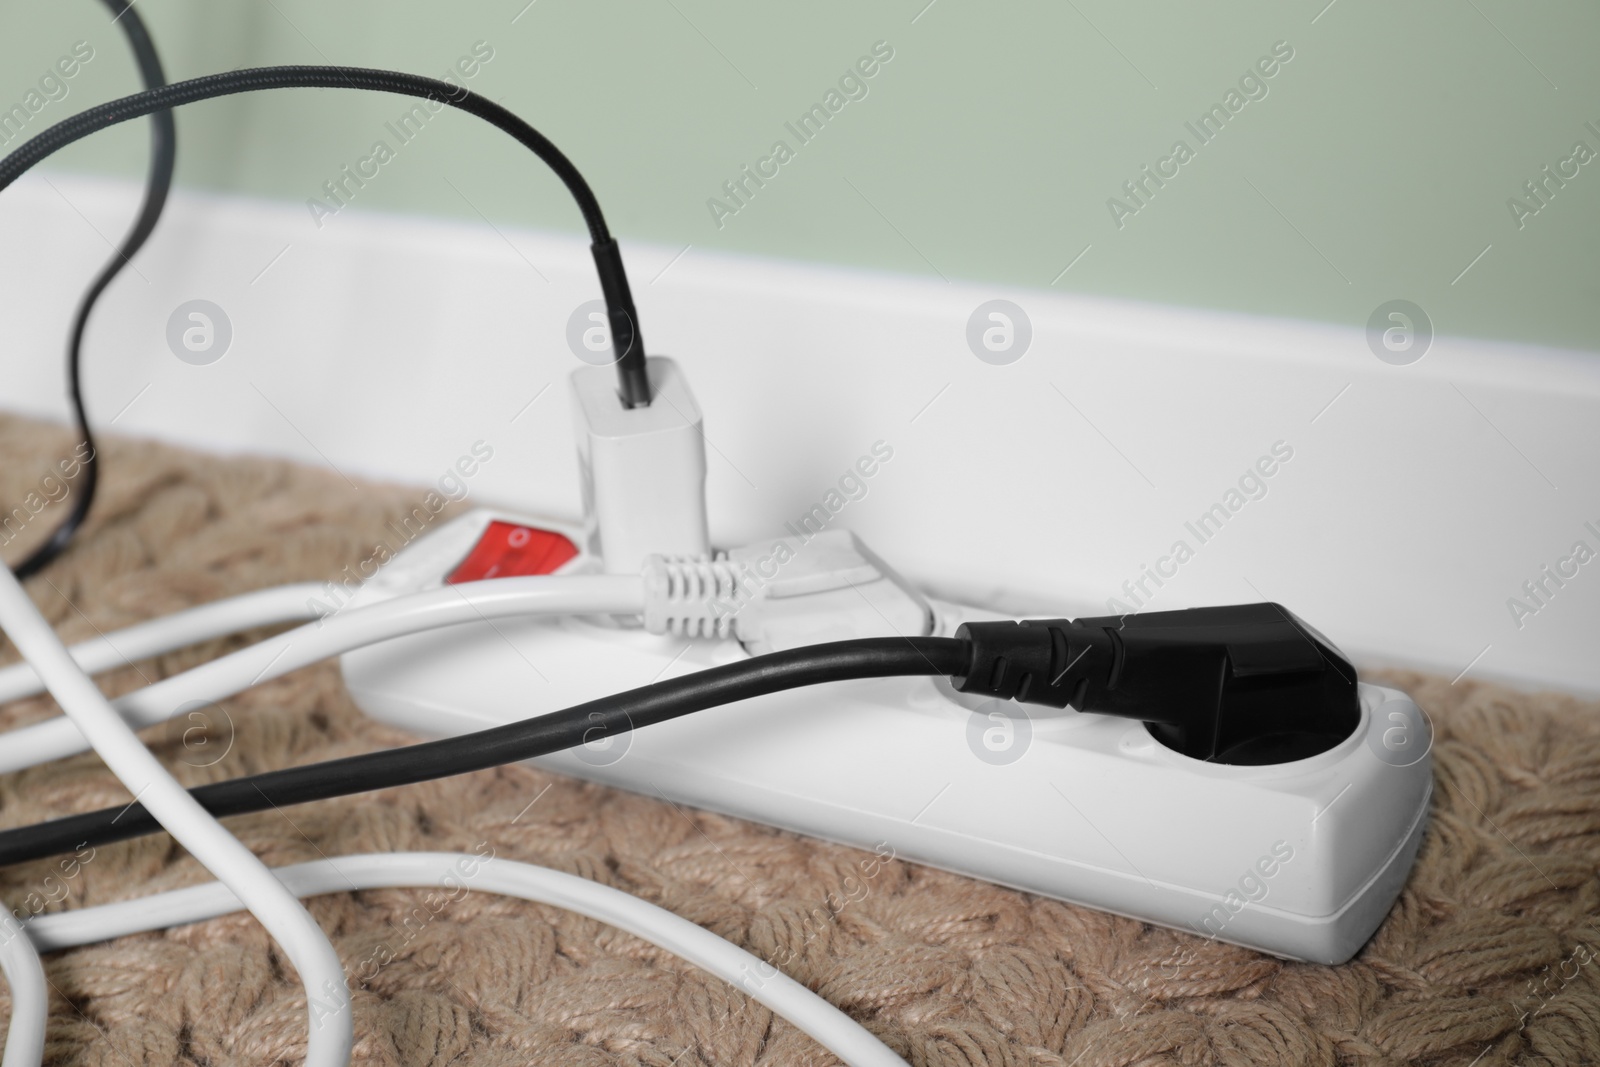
<point x="280" y="911"/>
<point x="264" y="607"/>
<point x="593" y="594"/>
<point x="30" y="997"/>
<point x="846" y="1038"/>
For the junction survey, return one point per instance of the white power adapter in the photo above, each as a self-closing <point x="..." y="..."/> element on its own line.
<point x="643" y="469"/>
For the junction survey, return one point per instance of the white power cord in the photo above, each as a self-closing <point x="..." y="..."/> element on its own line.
<point x="840" y="1034"/>
<point x="354" y="628"/>
<point x="667" y="604"/>
<point x="30" y="996"/>
<point x="835" y="580"/>
<point x="280" y="911"/>
<point x="263" y="607"/>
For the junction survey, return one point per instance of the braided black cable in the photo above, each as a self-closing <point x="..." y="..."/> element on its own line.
<point x="633" y="380"/>
<point x="158" y="183"/>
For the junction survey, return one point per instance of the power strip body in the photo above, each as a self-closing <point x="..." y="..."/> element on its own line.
<point x="1301" y="860"/>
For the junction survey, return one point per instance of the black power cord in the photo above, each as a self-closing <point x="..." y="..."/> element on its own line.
<point x="877" y="657"/>
<point x="163" y="157"/>
<point x="1246" y="684"/>
<point x="633" y="378"/>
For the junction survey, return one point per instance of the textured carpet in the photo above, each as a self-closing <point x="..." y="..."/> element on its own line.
<point x="1486" y="959"/>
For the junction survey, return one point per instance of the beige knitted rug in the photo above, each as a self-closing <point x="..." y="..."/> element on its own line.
<point x="1485" y="960"/>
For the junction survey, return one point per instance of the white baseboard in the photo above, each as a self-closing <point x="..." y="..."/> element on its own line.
<point x="1417" y="502"/>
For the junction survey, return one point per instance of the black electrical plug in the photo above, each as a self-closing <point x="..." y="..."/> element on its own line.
<point x="1244" y="684"/>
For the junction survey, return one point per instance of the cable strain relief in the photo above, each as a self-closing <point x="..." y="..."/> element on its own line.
<point x="633" y="381"/>
<point x="1051" y="662"/>
<point x="690" y="596"/>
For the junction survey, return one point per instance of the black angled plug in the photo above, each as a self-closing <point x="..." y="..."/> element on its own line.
<point x="1246" y="684"/>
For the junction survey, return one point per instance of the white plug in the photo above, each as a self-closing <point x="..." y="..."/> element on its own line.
<point x="643" y="469"/>
<point x="785" y="593"/>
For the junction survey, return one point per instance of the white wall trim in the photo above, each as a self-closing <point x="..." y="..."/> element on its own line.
<point x="1414" y="507"/>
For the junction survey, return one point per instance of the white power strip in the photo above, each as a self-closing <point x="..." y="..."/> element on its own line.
<point x="1301" y="859"/>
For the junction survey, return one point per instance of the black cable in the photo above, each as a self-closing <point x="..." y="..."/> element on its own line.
<point x="1244" y="684"/>
<point x="877" y="657"/>
<point x="158" y="183"/>
<point x="632" y="376"/>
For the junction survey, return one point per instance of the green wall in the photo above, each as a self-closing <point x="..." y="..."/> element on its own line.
<point x="1378" y="164"/>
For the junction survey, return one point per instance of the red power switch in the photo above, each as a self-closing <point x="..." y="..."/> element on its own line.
<point x="507" y="550"/>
